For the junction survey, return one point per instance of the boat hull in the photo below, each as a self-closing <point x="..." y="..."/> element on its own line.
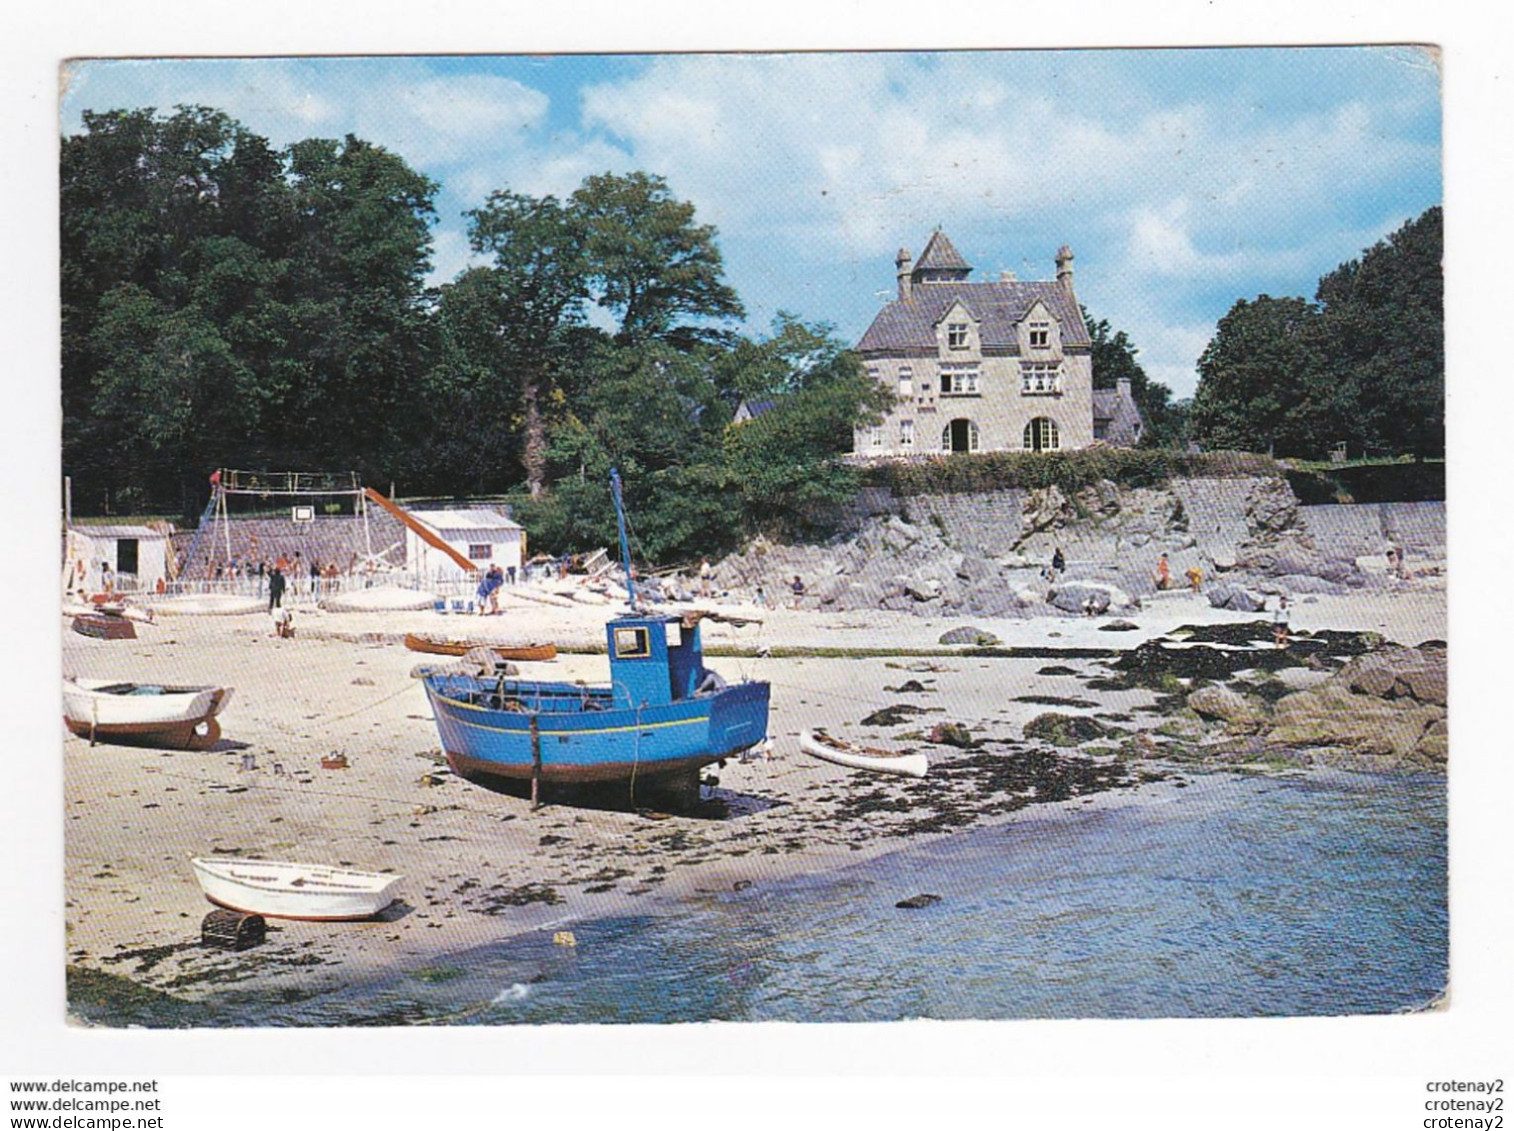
<point x="859" y="758"/>
<point x="518" y="652"/>
<point x="172" y="716"/>
<point x="609" y="744"/>
<point x="257" y="887"/>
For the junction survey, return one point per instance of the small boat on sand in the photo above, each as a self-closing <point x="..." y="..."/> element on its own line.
<point x="149" y="714"/>
<point x="830" y="749"/>
<point x="104" y="626"/>
<point x="287" y="890"/>
<point x="441" y="646"/>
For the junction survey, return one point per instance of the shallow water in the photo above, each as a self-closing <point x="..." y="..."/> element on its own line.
<point x="1236" y="897"/>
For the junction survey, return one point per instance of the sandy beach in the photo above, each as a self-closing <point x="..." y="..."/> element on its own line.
<point x="480" y="865"/>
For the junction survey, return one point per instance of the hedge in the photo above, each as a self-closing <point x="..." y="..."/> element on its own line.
<point x="961" y="473"/>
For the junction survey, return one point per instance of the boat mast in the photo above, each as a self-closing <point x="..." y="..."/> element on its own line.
<point x="625" y="546"/>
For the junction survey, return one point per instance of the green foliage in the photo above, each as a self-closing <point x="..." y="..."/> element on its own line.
<point x="1364" y="365"/>
<point x="962" y="473"/>
<point x="224" y="303"/>
<point x="1113" y="355"/>
<point x="1257" y="389"/>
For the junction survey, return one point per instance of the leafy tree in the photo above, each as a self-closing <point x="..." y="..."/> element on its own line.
<point x="1114" y="359"/>
<point x="1384" y="319"/>
<point x="167" y="270"/>
<point x="358" y="319"/>
<point x="541" y="283"/>
<point x="652" y="266"/>
<point x="1257" y="387"/>
<point x="785" y="463"/>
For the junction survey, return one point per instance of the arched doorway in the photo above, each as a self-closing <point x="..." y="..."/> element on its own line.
<point x="961" y="435"/>
<point x="1041" y="435"/>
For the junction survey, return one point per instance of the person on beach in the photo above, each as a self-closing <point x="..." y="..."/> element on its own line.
<point x="797" y="588"/>
<point x="1163" y="576"/>
<point x="496" y="579"/>
<point x="510" y="575"/>
<point x="1058" y="565"/>
<point x="485" y="588"/>
<point x="1195" y="577"/>
<point x="706" y="574"/>
<point x="1280" y="622"/>
<point x="283" y="623"/>
<point x="762" y="601"/>
<point x="275" y="589"/>
<point x="262" y="572"/>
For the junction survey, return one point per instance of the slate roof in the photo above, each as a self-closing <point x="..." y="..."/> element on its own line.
<point x="941" y="255"/>
<point x="755" y="409"/>
<point x="141" y="533"/>
<point x="910" y="324"/>
<point x="1119" y="414"/>
<point x="471" y="520"/>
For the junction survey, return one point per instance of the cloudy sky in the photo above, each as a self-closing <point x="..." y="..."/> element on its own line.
<point x="1182" y="179"/>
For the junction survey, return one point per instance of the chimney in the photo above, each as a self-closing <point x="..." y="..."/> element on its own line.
<point x="1064" y="268"/>
<point x="1123" y="385"/>
<point x="1006" y="276"/>
<point x="902" y="265"/>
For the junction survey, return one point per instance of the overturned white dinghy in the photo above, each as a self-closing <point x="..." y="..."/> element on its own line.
<point x="383" y="598"/>
<point x="870" y="758"/>
<point x="282" y="889"/>
<point x="208" y="605"/>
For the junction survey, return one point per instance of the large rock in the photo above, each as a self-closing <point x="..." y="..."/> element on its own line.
<point x="967" y="634"/>
<point x="1271" y="507"/>
<point x="1085" y="596"/>
<point x="1399" y="673"/>
<point x="975" y="567"/>
<point x="1042" y="509"/>
<point x="1226" y="705"/>
<point x="1334" y="715"/>
<point x="1236" y="598"/>
<point x="1064" y="730"/>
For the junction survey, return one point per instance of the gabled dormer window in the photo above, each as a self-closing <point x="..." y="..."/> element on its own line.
<point x="956" y="335"/>
<point x="1040" y="335"/>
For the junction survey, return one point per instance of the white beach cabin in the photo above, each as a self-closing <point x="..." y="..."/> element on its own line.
<point x="136" y="556"/>
<point x="480" y="534"/>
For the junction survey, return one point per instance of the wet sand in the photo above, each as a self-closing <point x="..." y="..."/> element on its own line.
<point x="479" y="865"/>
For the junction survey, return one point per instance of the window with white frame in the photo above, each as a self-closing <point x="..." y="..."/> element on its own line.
<point x="906" y="382"/>
<point x="875" y="436"/>
<point x="1040" y="377"/>
<point x="906" y="433"/>
<point x="960" y="436"/>
<point x="480" y="551"/>
<point x="956" y="335"/>
<point x="1041" y="435"/>
<point x="1040" y="335"/>
<point x="959" y="380"/>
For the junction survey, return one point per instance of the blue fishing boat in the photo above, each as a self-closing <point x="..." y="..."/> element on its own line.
<point x="661" y="717"/>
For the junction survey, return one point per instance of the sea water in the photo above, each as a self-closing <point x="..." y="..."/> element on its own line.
<point x="1238" y="896"/>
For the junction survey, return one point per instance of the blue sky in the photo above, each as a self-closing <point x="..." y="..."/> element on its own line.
<point x="1182" y="179"/>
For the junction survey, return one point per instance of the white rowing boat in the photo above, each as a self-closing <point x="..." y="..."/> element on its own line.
<point x="150" y="713"/>
<point x="843" y="753"/>
<point x="287" y="890"/>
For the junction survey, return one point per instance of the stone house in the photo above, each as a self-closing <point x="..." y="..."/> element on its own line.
<point x="993" y="366"/>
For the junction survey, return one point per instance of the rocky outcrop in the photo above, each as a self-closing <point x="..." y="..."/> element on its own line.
<point x="1387" y="705"/>
<point x="985" y="554"/>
